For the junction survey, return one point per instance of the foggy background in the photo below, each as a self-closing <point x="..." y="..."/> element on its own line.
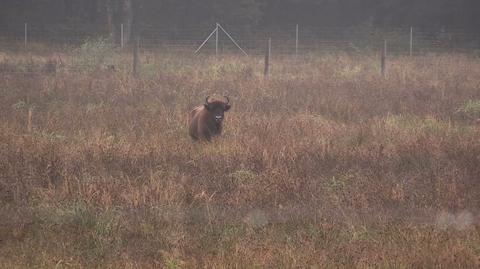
<point x="105" y="16"/>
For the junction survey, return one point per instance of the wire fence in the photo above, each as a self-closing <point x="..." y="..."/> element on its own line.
<point x="295" y="40"/>
<point x="292" y="42"/>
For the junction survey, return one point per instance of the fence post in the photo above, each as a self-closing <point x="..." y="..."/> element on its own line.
<point x="411" y="41"/>
<point x="122" y="44"/>
<point x="383" y="60"/>
<point x="135" y="56"/>
<point x="216" y="40"/>
<point x="296" y="42"/>
<point x="267" y="57"/>
<point x="25" y="35"/>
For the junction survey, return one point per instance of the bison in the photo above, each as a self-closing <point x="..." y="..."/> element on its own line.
<point x="205" y="121"/>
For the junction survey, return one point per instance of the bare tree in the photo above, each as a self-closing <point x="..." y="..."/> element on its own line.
<point x="110" y="10"/>
<point x="128" y="15"/>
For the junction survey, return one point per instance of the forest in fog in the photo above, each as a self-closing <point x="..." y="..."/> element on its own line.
<point x="103" y="16"/>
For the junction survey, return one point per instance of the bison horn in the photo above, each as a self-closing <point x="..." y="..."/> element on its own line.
<point x="228" y="100"/>
<point x="206" y="100"/>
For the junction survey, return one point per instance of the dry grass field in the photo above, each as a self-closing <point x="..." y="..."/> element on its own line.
<point x="324" y="165"/>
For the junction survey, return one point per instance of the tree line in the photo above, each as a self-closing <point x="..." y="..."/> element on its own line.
<point x="105" y="16"/>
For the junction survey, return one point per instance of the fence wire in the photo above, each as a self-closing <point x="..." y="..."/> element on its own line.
<point x="357" y="40"/>
<point x="310" y="39"/>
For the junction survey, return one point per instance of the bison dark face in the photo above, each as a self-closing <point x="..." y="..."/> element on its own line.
<point x="217" y="109"/>
<point x="206" y="121"/>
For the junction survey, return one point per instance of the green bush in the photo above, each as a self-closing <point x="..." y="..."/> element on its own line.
<point x="93" y="53"/>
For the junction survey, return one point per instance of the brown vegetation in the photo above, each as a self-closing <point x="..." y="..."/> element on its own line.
<point x="325" y="164"/>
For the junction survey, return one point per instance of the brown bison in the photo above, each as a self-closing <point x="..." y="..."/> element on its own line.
<point x="205" y="121"/>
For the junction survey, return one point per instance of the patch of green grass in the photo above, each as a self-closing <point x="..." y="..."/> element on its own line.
<point x="93" y="53"/>
<point x="100" y="231"/>
<point x="336" y="183"/>
<point x="172" y="264"/>
<point x="471" y="108"/>
<point x="349" y="72"/>
<point x="243" y="176"/>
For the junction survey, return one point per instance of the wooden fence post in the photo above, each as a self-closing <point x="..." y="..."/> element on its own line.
<point x="26" y="35"/>
<point x="216" y="40"/>
<point x="296" y="42"/>
<point x="122" y="39"/>
<point x="267" y="57"/>
<point x="135" y="56"/>
<point x="383" y="60"/>
<point x="411" y="41"/>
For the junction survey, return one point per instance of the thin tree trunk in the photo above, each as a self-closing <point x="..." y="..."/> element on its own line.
<point x="134" y="27"/>
<point x="110" y="11"/>
<point x="127" y="19"/>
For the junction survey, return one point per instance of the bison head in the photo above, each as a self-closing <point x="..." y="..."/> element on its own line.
<point x="217" y="108"/>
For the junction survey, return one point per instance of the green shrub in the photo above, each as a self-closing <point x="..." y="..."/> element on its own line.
<point x="93" y="53"/>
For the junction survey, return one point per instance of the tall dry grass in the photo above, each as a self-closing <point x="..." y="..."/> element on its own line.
<point x="325" y="164"/>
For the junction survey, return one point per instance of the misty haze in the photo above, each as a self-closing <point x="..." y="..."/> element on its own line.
<point x="239" y="134"/>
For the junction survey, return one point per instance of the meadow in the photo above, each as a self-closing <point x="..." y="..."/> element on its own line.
<point x="325" y="164"/>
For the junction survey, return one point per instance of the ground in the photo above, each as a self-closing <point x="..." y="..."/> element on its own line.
<point x="325" y="164"/>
